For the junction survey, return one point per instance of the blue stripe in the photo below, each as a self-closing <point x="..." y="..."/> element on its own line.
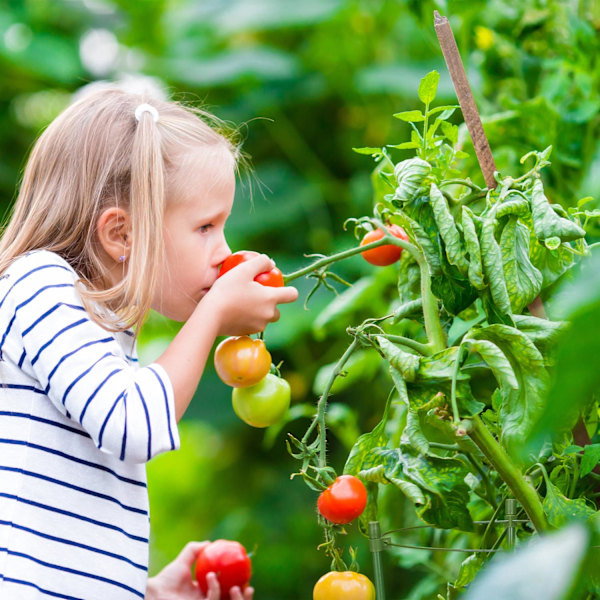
<point x="8" y="413"/>
<point x="110" y="412"/>
<point x="18" y="386"/>
<point x="95" y="392"/>
<point x="75" y="324"/>
<point x="80" y="461"/>
<point x="22" y="359"/>
<point x="139" y="511"/>
<point x="76" y="544"/>
<point x="124" y="442"/>
<point x="67" y="513"/>
<point x="147" y="421"/>
<point x="73" y="571"/>
<point x="131" y="358"/>
<point x="69" y="354"/>
<point x="49" y="312"/>
<point x="38" y="588"/>
<point x="25" y="302"/>
<point x="74" y="382"/>
<point x="162" y="385"/>
<point x="31" y="273"/>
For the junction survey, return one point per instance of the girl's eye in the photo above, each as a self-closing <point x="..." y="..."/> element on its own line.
<point x="205" y="228"/>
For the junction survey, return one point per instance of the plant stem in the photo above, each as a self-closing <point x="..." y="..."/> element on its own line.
<point x="511" y="475"/>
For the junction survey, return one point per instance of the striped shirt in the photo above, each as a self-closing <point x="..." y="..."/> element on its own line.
<point x="78" y="421"/>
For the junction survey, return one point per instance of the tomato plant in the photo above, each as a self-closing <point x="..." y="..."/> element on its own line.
<point x="344" y="500"/>
<point x="467" y="354"/>
<point x="272" y="278"/>
<point x="229" y="561"/>
<point x="382" y="256"/>
<point x="263" y="404"/>
<point x="344" y="585"/>
<point x="242" y="361"/>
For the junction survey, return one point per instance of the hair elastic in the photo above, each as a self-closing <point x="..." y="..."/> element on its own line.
<point x="142" y="108"/>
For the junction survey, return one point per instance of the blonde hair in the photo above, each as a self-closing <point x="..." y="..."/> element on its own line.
<point x="96" y="155"/>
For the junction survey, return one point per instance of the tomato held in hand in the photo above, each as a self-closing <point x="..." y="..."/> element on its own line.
<point x="242" y="361"/>
<point x="229" y="561"/>
<point x="385" y="255"/>
<point x="263" y="404"/>
<point x="343" y="500"/>
<point x="272" y="278"/>
<point x="344" y="585"/>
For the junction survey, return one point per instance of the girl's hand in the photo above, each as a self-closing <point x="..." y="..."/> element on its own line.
<point x="175" y="581"/>
<point x="243" y="306"/>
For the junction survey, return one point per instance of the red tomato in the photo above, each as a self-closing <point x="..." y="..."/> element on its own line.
<point x="344" y="585"/>
<point x="343" y="500"/>
<point x="383" y="255"/>
<point x="242" y="361"/>
<point x="229" y="561"/>
<point x="272" y="278"/>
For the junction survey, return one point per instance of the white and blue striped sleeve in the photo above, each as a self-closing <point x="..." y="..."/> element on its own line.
<point x="128" y="411"/>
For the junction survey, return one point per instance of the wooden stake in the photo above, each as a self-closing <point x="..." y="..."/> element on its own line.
<point x="465" y="98"/>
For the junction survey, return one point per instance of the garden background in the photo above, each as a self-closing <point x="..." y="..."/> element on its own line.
<point x="306" y="82"/>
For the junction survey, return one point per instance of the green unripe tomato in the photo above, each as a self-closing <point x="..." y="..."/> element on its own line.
<point x="262" y="404"/>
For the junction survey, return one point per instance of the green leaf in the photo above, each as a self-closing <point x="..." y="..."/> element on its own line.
<point x="521" y="408"/>
<point x="447" y="107"/>
<point x="407" y="364"/>
<point x="366" y="443"/>
<point x="410" y="116"/>
<point x="544" y="333"/>
<point x="368" y="150"/>
<point x="523" y="280"/>
<point x="591" y="457"/>
<point x="473" y="249"/>
<point x="492" y="267"/>
<point x="410" y="175"/>
<point x="517" y="206"/>
<point x="546" y="223"/>
<point x="450" y="131"/>
<point x="497" y="361"/>
<point x="468" y="569"/>
<point x="448" y="230"/>
<point x="361" y="365"/>
<point x="405" y="146"/>
<point x="441" y="495"/>
<point x="424" y="242"/>
<point x="560" y="510"/>
<point x="428" y="87"/>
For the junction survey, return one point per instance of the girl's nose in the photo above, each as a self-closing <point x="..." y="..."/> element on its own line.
<point x="222" y="252"/>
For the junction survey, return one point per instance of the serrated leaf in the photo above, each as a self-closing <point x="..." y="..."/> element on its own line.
<point x="473" y="249"/>
<point x="492" y="267"/>
<point x="521" y="408"/>
<point x="448" y="230"/>
<point x="523" y="280"/>
<point x="443" y="496"/>
<point x="560" y="510"/>
<point x="407" y="364"/>
<point x="428" y="87"/>
<point x="450" y="131"/>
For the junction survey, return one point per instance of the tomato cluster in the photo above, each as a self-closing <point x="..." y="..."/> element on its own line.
<point x="229" y="561"/>
<point x="259" y="398"/>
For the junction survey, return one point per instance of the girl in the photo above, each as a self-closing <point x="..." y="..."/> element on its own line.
<point x="122" y="208"/>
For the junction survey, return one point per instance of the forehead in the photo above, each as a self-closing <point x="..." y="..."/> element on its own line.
<point x="200" y="173"/>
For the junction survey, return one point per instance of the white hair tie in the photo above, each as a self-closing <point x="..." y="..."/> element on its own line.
<point x="142" y="108"/>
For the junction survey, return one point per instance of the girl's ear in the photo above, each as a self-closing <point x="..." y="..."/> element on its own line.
<point x="114" y="233"/>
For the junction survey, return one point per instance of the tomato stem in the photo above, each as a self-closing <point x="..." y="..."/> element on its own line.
<point x="511" y="475"/>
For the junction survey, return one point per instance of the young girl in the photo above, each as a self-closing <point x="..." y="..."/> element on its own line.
<point x="122" y="208"/>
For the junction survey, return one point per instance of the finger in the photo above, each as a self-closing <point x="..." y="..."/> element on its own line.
<point x="276" y="316"/>
<point x="190" y="552"/>
<point x="255" y="266"/>
<point x="248" y="593"/>
<point x="214" y="589"/>
<point x="287" y="294"/>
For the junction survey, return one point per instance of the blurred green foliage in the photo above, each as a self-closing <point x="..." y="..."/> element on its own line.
<point x="306" y="81"/>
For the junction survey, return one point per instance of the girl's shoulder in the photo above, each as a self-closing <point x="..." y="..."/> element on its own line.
<point x="38" y="262"/>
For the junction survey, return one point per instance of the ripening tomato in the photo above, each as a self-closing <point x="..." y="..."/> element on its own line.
<point x="343" y="500"/>
<point x="272" y="278"/>
<point x="388" y="254"/>
<point x="242" y="361"/>
<point x="344" y="585"/>
<point x="229" y="561"/>
<point x="263" y="404"/>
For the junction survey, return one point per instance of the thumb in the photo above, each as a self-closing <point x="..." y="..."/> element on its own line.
<point x="190" y="552"/>
<point x="255" y="266"/>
